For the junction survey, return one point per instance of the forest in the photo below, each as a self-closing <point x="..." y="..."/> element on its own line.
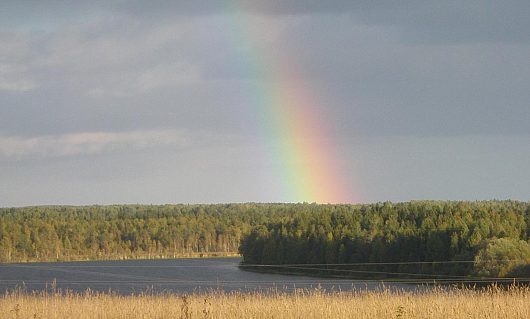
<point x="446" y="238"/>
<point x="423" y="239"/>
<point x="53" y="233"/>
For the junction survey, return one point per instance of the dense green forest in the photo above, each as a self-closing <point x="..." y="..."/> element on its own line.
<point x="48" y="233"/>
<point x="406" y="240"/>
<point x="493" y="235"/>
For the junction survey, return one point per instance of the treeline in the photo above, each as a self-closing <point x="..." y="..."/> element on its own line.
<point x="50" y="233"/>
<point x="420" y="239"/>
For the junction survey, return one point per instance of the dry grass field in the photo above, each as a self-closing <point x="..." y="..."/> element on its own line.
<point x="491" y="302"/>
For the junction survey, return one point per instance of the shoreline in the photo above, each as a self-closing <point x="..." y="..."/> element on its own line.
<point x="125" y="258"/>
<point x="459" y="281"/>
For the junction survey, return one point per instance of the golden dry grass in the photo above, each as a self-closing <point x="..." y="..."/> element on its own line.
<point x="456" y="303"/>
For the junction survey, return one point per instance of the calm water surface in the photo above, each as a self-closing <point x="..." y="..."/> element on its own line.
<point x="173" y="275"/>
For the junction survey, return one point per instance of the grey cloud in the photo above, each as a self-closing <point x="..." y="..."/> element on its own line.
<point x="125" y="73"/>
<point x="125" y="78"/>
<point x="88" y="143"/>
<point x="446" y="168"/>
<point x="165" y="175"/>
<point x="375" y="84"/>
<point x="15" y="63"/>
<point x="15" y="78"/>
<point x="416" y="91"/>
<point x="419" y="21"/>
<point x="384" y="168"/>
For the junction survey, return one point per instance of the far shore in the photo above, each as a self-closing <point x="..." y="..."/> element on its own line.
<point x="192" y="255"/>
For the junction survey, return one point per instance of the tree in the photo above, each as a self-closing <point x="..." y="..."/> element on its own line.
<point x="500" y="256"/>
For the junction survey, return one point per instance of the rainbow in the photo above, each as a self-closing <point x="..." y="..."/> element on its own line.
<point x="291" y="120"/>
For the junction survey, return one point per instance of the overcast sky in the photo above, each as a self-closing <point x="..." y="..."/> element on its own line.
<point x="147" y="102"/>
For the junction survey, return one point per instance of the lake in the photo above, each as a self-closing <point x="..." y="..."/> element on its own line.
<point x="158" y="276"/>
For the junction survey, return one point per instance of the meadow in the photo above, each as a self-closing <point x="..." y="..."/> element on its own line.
<point x="490" y="302"/>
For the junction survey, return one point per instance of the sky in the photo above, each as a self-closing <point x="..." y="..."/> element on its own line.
<point x="156" y="102"/>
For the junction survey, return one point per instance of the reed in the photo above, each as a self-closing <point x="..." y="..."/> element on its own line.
<point x="490" y="302"/>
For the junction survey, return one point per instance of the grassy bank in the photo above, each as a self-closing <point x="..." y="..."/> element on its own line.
<point x="490" y="302"/>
